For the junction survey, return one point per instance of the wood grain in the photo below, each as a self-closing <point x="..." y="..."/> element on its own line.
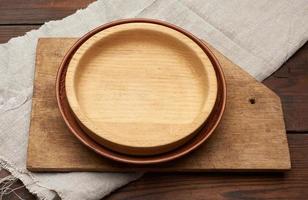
<point x="141" y="88"/>
<point x="291" y="185"/>
<point x="7" y="32"/>
<point x="37" y="12"/>
<point x="291" y="83"/>
<point x="251" y="135"/>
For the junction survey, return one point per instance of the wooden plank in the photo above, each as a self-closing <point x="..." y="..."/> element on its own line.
<point x="231" y="186"/>
<point x="290" y="185"/>
<point x="37" y="12"/>
<point x="251" y="136"/>
<point x="17" y="186"/>
<point x="8" y="32"/>
<point x="291" y="83"/>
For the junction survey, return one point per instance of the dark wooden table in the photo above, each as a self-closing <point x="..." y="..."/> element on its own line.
<point x="290" y="82"/>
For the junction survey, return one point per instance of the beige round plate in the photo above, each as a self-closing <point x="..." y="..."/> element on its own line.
<point x="140" y="88"/>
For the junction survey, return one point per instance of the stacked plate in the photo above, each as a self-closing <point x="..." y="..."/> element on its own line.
<point x="141" y="91"/>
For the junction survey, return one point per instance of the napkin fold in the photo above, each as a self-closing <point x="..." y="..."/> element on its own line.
<point x="256" y="35"/>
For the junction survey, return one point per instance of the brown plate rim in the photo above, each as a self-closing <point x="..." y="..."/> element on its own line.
<point x="192" y="144"/>
<point x="142" y="146"/>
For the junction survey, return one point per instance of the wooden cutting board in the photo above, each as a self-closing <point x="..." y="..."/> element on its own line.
<point x="251" y="136"/>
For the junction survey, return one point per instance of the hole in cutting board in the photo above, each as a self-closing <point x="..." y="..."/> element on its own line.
<point x="252" y="101"/>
